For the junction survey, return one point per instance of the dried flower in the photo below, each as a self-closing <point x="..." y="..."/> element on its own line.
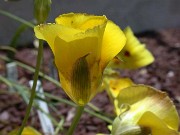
<point x="143" y="110"/>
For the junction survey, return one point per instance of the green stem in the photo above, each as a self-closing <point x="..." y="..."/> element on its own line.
<point x="33" y="90"/>
<point x="76" y="119"/>
<point x="98" y="115"/>
<point x="59" y="126"/>
<point x="95" y="108"/>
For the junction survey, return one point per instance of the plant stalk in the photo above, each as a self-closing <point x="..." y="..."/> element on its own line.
<point x="76" y="119"/>
<point x="33" y="90"/>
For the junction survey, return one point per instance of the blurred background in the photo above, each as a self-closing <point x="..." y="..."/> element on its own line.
<point x="141" y="15"/>
<point x="155" y="22"/>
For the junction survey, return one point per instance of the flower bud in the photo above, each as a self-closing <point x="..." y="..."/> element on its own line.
<point x="41" y="10"/>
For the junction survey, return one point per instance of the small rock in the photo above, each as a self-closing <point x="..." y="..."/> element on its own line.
<point x="170" y="74"/>
<point x="143" y="71"/>
<point x="70" y="115"/>
<point x="178" y="99"/>
<point x="4" y="116"/>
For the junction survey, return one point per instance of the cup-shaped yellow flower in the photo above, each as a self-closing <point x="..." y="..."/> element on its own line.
<point x="82" y="45"/>
<point x="134" y="54"/>
<point x="145" y="111"/>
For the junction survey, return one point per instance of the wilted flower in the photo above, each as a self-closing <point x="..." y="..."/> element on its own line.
<point x="82" y="45"/>
<point x="144" y="110"/>
<point x="133" y="55"/>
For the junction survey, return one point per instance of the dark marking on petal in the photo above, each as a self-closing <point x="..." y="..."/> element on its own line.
<point x="80" y="80"/>
<point x="127" y="54"/>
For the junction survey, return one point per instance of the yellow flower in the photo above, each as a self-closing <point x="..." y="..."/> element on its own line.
<point x="144" y="111"/>
<point x="27" y="131"/>
<point x="82" y="45"/>
<point x="113" y="85"/>
<point x="133" y="55"/>
<point x="117" y="84"/>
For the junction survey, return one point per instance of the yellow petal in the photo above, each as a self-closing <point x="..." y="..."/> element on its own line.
<point x="113" y="41"/>
<point x="116" y="85"/>
<point x="49" y="32"/>
<point x="157" y="126"/>
<point x="27" y="131"/>
<point x="133" y="55"/>
<point x="66" y="56"/>
<point x="129" y="129"/>
<point x="143" y="98"/>
<point x="113" y="85"/>
<point x="79" y="20"/>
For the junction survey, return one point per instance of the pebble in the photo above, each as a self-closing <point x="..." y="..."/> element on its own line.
<point x="4" y="116"/>
<point x="170" y="74"/>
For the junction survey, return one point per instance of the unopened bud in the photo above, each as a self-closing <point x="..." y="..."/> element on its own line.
<point x="41" y="10"/>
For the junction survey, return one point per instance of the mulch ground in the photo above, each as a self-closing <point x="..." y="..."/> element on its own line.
<point x="163" y="74"/>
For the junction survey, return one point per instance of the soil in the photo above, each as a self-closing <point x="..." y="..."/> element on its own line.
<point x="163" y="74"/>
